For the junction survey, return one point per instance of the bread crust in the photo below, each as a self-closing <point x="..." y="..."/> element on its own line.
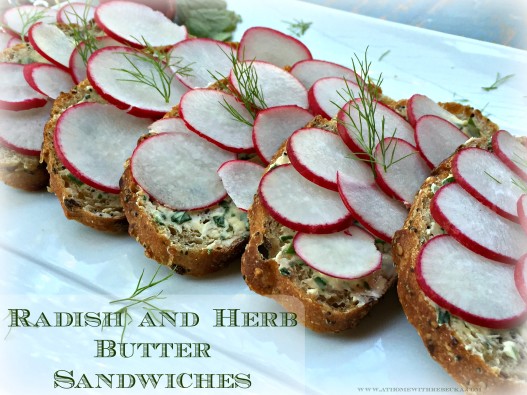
<point x="442" y="341"/>
<point x="108" y="216"/>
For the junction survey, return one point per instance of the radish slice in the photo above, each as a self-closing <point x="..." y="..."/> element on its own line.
<point x="94" y="140"/>
<point x="311" y="70"/>
<point x="274" y="125"/>
<point x="328" y="95"/>
<point x="136" y="24"/>
<point x="105" y="73"/>
<point x="76" y="62"/>
<point x="15" y="93"/>
<point x="277" y="86"/>
<point x="405" y="171"/>
<point x="511" y="152"/>
<point x="179" y="170"/>
<point x="351" y="126"/>
<point x="379" y="214"/>
<point x="4" y="40"/>
<point x="437" y="139"/>
<point x="16" y="19"/>
<point x="221" y="129"/>
<point x="522" y="211"/>
<point x="52" y="43"/>
<point x="301" y="205"/>
<point x="272" y="46"/>
<point x="520" y="277"/>
<point x="478" y="290"/>
<point x="204" y="56"/>
<point x="75" y="13"/>
<point x="240" y="179"/>
<point x="48" y="79"/>
<point x="22" y="131"/>
<point x="169" y="125"/>
<point x="487" y="178"/>
<point x="477" y="227"/>
<point x="305" y="149"/>
<point x="420" y="105"/>
<point x="347" y="255"/>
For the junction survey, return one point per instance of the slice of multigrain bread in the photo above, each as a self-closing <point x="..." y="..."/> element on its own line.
<point x="481" y="360"/>
<point x="16" y="169"/>
<point x="80" y="202"/>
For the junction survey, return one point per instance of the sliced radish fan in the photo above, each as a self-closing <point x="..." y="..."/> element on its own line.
<point x="94" y="140"/>
<point x="476" y="226"/>
<point x="15" y="93"/>
<point x="136" y="24"/>
<point x="222" y="129"/>
<point x="301" y="205"/>
<point x="400" y="169"/>
<point x="348" y="255"/>
<point x="311" y="70"/>
<point x="420" y="105"/>
<point x="274" y="125"/>
<point x="22" y="131"/>
<point x="328" y="95"/>
<point x="179" y="170"/>
<point x="512" y="152"/>
<point x="269" y="45"/>
<point x="52" y="43"/>
<point x="318" y="155"/>
<point x="379" y="214"/>
<point x="48" y="79"/>
<point x="446" y="270"/>
<point x="487" y="178"/>
<point x="240" y="179"/>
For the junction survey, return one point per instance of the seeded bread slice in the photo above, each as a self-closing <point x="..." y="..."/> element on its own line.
<point x="80" y="202"/>
<point x="18" y="170"/>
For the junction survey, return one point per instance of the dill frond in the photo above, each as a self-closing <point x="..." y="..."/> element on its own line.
<point x="29" y="19"/>
<point x="298" y="27"/>
<point x="84" y="32"/>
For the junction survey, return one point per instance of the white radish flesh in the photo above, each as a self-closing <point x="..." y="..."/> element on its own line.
<point x="378" y="213"/>
<point x="272" y="46"/>
<point x="169" y="125"/>
<point x="485" y="177"/>
<point x="4" y="40"/>
<point x="476" y="226"/>
<point x="301" y="205"/>
<point x="75" y="13"/>
<point x="522" y="211"/>
<point x="48" y="79"/>
<point x="52" y="43"/>
<point x="520" y="277"/>
<point x="420" y="105"/>
<point x="400" y="169"/>
<point x="278" y="87"/>
<point x="349" y="123"/>
<point x="106" y="73"/>
<point x="437" y="139"/>
<point x="94" y="140"/>
<point x="240" y="179"/>
<point x="205" y="57"/>
<point x="15" y="93"/>
<point x="137" y="24"/>
<point x="23" y="131"/>
<point x="328" y="95"/>
<point x="311" y="70"/>
<point x="476" y="289"/>
<point x="76" y="62"/>
<point x="305" y="149"/>
<point x="180" y="170"/>
<point x="511" y="152"/>
<point x="221" y="129"/>
<point x="274" y="125"/>
<point x="347" y="255"/>
<point x="16" y="19"/>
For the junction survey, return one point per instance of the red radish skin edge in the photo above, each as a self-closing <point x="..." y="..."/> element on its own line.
<point x="149" y="194"/>
<point x="339" y="226"/>
<point x="22" y="151"/>
<point x="28" y="75"/>
<point x="522" y="214"/>
<point x="474" y="319"/>
<point x="410" y="111"/>
<point x="354" y="214"/>
<point x="42" y="53"/>
<point x="475" y="193"/>
<point x="504" y="158"/>
<point x="73" y="170"/>
<point x="313" y="105"/>
<point x="23" y="105"/>
<point x="521" y="282"/>
<point x="461" y="238"/>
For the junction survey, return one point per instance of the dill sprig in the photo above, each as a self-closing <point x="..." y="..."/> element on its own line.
<point x="298" y="27"/>
<point x="384" y="54"/>
<point x="83" y="31"/>
<point x="159" y="72"/>
<point x="367" y="134"/>
<point x="520" y="184"/>
<point x="499" y="81"/>
<point x="492" y="177"/>
<point x="134" y="300"/>
<point x="29" y="19"/>
<point x="249" y="90"/>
